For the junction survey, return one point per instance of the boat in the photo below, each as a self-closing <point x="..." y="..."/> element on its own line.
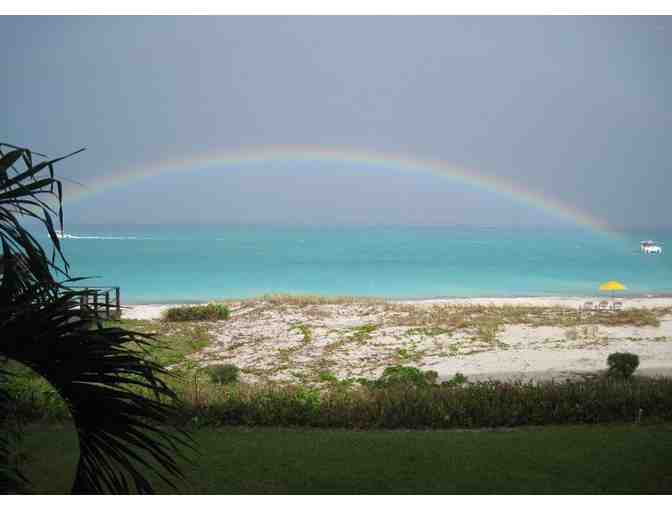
<point x="650" y="247"/>
<point x="63" y="235"/>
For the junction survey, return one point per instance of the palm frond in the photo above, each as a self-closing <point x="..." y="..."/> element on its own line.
<point x="121" y="406"/>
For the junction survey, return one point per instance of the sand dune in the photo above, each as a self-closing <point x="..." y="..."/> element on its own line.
<point x="275" y="341"/>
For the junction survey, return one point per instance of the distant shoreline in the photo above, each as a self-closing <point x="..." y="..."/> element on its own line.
<point x="149" y="311"/>
<point x="596" y="296"/>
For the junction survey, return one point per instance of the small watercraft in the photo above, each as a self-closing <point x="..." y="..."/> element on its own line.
<point x="650" y="247"/>
<point x="63" y="235"/>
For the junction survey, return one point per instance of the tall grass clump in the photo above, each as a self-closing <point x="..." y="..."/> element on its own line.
<point x="209" y="312"/>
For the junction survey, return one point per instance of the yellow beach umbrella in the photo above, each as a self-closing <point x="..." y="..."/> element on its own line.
<point x="612" y="286"/>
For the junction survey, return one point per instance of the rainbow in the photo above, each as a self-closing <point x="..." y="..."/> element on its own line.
<point x="401" y="162"/>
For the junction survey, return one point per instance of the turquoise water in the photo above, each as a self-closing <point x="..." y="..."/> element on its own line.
<point x="181" y="264"/>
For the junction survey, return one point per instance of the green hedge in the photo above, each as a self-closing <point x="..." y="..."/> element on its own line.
<point x="392" y="403"/>
<point x="483" y="404"/>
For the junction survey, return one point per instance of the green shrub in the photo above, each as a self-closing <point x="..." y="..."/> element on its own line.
<point x="327" y="376"/>
<point x="622" y="364"/>
<point x="209" y="312"/>
<point x="224" y="374"/>
<point x="400" y="375"/>
<point x="456" y="380"/>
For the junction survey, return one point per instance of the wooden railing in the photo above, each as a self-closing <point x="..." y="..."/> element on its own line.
<point x="105" y="302"/>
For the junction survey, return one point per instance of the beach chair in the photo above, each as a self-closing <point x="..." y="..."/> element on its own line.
<point x="617" y="306"/>
<point x="603" y="306"/>
<point x="588" y="305"/>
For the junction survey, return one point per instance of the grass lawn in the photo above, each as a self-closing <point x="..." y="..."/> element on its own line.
<point x="568" y="459"/>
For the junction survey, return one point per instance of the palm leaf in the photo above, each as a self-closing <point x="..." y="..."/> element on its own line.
<point x="121" y="406"/>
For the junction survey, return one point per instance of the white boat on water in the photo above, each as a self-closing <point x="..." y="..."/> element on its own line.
<point x="63" y="235"/>
<point x="650" y="247"/>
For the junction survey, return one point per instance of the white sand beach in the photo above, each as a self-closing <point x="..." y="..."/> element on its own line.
<point x="288" y="341"/>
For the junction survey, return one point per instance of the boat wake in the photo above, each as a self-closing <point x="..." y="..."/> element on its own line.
<point x="87" y="236"/>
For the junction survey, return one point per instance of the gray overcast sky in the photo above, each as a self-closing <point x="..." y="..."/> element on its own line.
<point x="579" y="109"/>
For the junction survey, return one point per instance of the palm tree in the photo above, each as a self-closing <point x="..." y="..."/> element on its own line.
<point x="117" y="397"/>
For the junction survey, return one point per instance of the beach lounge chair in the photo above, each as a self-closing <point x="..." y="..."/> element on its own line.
<point x="588" y="305"/>
<point x="604" y="305"/>
<point x="617" y="306"/>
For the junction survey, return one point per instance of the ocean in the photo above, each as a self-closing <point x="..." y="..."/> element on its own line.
<point x="171" y="264"/>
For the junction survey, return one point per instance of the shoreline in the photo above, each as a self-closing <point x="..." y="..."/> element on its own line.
<point x="396" y="299"/>
<point x="151" y="311"/>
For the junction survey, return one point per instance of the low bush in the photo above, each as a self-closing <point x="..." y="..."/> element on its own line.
<point x="456" y="380"/>
<point x="224" y="374"/>
<point x="401" y="376"/>
<point x="622" y="364"/>
<point x="209" y="312"/>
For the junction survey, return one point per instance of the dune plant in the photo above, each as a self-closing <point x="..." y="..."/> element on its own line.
<point x="209" y="312"/>
<point x="456" y="380"/>
<point x="399" y="375"/>
<point x="622" y="364"/>
<point x="116" y="396"/>
<point x="224" y="374"/>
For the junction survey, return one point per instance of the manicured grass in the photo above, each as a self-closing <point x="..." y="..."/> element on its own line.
<point x="570" y="459"/>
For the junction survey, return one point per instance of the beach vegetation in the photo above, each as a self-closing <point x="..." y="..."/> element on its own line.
<point x="432" y="376"/>
<point x="358" y="334"/>
<point x="224" y="374"/>
<point x="174" y="342"/>
<point x="430" y="331"/>
<point x="404" y="376"/>
<point x="405" y="397"/>
<point x="302" y="300"/>
<point x="361" y="334"/>
<point x="457" y="380"/>
<point x="485" y="321"/>
<point x="486" y="331"/>
<point x="115" y="395"/>
<point x="208" y="312"/>
<point x="622" y="364"/>
<point x="403" y="354"/>
<point x="304" y="330"/>
<point x="326" y="376"/>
